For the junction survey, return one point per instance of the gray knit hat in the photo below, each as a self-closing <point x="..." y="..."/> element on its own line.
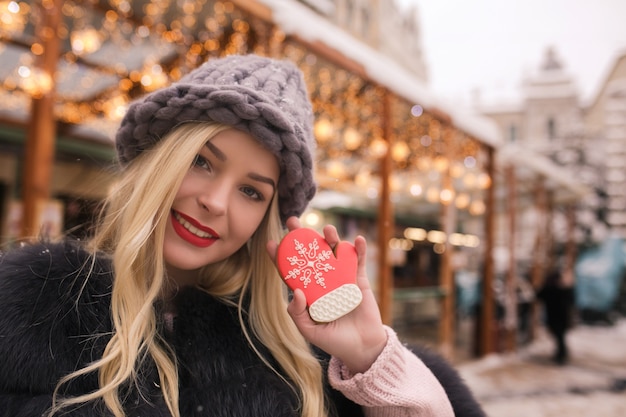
<point x="264" y="97"/>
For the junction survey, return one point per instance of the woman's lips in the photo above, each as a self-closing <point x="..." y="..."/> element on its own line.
<point x="191" y="231"/>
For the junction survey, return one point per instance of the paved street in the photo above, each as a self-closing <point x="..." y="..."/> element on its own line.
<point x="528" y="384"/>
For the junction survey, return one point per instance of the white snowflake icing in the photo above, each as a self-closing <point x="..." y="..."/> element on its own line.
<point x="309" y="264"/>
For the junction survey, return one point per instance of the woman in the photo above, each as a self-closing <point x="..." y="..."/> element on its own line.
<point x="175" y="307"/>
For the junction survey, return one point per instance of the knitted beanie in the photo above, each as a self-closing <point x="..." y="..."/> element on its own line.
<point x="264" y="97"/>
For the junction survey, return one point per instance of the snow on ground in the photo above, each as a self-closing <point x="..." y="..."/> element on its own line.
<point x="527" y="383"/>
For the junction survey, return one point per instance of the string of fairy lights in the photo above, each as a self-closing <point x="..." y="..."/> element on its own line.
<point x="116" y="50"/>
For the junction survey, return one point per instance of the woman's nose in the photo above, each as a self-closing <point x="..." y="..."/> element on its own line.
<point x="215" y="199"/>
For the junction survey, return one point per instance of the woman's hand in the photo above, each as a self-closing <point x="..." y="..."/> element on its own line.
<point x="356" y="338"/>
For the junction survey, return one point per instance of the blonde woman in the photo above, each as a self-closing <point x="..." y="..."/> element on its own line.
<point x="175" y="307"/>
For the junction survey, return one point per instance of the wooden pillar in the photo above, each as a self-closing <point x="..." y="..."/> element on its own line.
<point x="540" y="255"/>
<point x="446" y="277"/>
<point x="41" y="135"/>
<point x="385" y="220"/>
<point x="510" y="320"/>
<point x="485" y="322"/>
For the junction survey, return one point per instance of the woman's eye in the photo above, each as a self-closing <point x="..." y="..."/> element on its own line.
<point x="201" y="162"/>
<point x="253" y="193"/>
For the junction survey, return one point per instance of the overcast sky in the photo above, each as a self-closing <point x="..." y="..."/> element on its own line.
<point x="491" y="45"/>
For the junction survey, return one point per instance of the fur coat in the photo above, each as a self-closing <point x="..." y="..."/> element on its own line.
<point x="53" y="321"/>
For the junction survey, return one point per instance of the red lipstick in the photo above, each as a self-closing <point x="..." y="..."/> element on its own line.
<point x="192" y="231"/>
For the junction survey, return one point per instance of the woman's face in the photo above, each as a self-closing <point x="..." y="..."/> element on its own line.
<point x="220" y="203"/>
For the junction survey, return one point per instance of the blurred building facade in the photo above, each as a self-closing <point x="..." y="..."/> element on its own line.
<point x="605" y="122"/>
<point x="587" y="138"/>
<point x="386" y="26"/>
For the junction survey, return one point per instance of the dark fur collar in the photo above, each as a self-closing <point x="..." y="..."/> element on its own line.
<point x="55" y="320"/>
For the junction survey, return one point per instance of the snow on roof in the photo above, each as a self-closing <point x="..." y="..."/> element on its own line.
<point x="550" y="84"/>
<point x="532" y="164"/>
<point x="597" y="89"/>
<point x="507" y="107"/>
<point x="297" y="19"/>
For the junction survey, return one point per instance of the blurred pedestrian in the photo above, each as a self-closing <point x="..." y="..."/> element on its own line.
<point x="558" y="300"/>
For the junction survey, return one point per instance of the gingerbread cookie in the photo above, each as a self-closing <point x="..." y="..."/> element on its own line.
<point x="328" y="278"/>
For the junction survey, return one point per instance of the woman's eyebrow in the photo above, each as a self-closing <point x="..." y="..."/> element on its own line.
<point x="262" y="178"/>
<point x="216" y="151"/>
<point x="222" y="157"/>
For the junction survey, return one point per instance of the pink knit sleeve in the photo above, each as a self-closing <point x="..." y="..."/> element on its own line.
<point x="397" y="384"/>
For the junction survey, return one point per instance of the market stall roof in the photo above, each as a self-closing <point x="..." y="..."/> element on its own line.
<point x="531" y="165"/>
<point x="93" y="73"/>
<point x="96" y="72"/>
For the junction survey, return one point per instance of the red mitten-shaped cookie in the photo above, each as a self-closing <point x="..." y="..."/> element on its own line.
<point x="306" y="261"/>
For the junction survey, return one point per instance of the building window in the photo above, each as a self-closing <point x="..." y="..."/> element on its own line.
<point x="551" y="128"/>
<point x="365" y="23"/>
<point x="349" y="14"/>
<point x="512" y="133"/>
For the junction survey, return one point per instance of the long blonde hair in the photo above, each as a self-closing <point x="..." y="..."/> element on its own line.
<point x="132" y="232"/>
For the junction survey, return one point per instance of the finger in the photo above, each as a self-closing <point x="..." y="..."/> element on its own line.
<point x="331" y="235"/>
<point x="298" y="311"/>
<point x="360" y="244"/>
<point x="293" y="223"/>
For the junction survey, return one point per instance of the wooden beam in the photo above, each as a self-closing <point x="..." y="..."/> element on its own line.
<point x="446" y="277"/>
<point x="254" y="8"/>
<point x="486" y="328"/>
<point x="333" y="55"/>
<point x="385" y="220"/>
<point x="510" y="320"/>
<point x="540" y="256"/>
<point x="40" y="141"/>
